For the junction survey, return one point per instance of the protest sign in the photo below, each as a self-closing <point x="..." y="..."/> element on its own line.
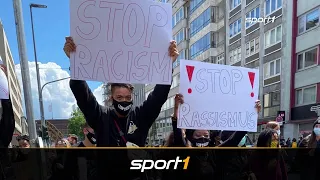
<point x="218" y="97"/>
<point x="4" y="89"/>
<point x="124" y="41"/>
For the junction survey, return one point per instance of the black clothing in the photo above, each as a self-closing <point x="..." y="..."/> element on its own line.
<point x="205" y="164"/>
<point x="268" y="164"/>
<point x="81" y="144"/>
<point x="81" y="163"/>
<point x="7" y="123"/>
<point x="104" y="122"/>
<point x="101" y="119"/>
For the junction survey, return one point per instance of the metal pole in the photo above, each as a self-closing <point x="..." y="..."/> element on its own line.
<point x="40" y="93"/>
<point x="37" y="71"/>
<point x="24" y="68"/>
<point x="52" y="82"/>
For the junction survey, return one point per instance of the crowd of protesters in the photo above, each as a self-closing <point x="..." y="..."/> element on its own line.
<point x="124" y="125"/>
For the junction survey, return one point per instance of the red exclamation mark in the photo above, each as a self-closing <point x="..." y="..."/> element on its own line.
<point x="190" y="70"/>
<point x="251" y="78"/>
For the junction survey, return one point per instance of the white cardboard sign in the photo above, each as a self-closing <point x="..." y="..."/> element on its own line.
<point x="123" y="41"/>
<point x="218" y="97"/>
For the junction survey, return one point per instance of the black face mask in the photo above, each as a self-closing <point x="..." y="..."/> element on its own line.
<point x="92" y="138"/>
<point x="201" y="142"/>
<point x="123" y="108"/>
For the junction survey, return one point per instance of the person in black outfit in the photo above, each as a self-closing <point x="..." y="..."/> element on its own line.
<point x="120" y="125"/>
<point x="203" y="163"/>
<point x="7" y="122"/>
<point x="24" y="141"/>
<point x="308" y="158"/>
<point x="81" y="163"/>
<point x="268" y="163"/>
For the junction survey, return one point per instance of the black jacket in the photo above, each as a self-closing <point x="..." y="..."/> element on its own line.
<point x="102" y="120"/>
<point x="206" y="164"/>
<point x="7" y="123"/>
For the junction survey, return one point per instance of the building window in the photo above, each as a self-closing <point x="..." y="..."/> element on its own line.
<point x="306" y="95"/>
<point x="272" y="69"/>
<point x="309" y="20"/>
<point x="254" y="13"/>
<point x="252" y="47"/>
<point x="308" y="58"/>
<point x="234" y="4"/>
<point x="177" y="17"/>
<point x="175" y="81"/>
<point x="272" y="6"/>
<point x="168" y="105"/>
<point x="194" y="4"/>
<point x="235" y="28"/>
<point x="200" y="46"/>
<point x="182" y="55"/>
<point x="235" y="55"/>
<point x="220" y="59"/>
<point x="273" y="36"/>
<point x="179" y="36"/>
<point x="200" y="22"/>
<point x="271" y="104"/>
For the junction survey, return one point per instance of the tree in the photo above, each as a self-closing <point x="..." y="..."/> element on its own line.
<point x="76" y="122"/>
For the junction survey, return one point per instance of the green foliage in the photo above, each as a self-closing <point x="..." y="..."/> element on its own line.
<point x="76" y="123"/>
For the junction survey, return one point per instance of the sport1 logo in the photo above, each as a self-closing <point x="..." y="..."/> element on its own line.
<point x="158" y="164"/>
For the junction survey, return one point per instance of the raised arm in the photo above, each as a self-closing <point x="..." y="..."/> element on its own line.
<point x="234" y="139"/>
<point x="87" y="102"/>
<point x="151" y="107"/>
<point x="179" y="139"/>
<point x="85" y="99"/>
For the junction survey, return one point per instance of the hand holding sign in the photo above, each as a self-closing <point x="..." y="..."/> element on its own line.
<point x="173" y="51"/>
<point x="218" y="97"/>
<point x="178" y="99"/>
<point x="69" y="46"/>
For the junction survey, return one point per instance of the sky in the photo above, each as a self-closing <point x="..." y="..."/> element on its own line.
<point x="51" y="26"/>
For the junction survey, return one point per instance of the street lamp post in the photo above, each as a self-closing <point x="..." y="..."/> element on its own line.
<point x="36" y="62"/>
<point x="40" y="93"/>
<point x="52" y="82"/>
<point x="18" y="16"/>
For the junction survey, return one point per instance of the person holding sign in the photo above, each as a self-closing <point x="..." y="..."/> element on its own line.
<point x="7" y="122"/>
<point x="121" y="125"/>
<point x="204" y="166"/>
<point x="201" y="138"/>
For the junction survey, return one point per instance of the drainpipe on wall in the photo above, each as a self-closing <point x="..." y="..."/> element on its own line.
<point x="293" y="56"/>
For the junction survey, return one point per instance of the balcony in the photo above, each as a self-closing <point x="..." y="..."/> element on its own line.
<point x="181" y="24"/>
<point x="212" y="27"/>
